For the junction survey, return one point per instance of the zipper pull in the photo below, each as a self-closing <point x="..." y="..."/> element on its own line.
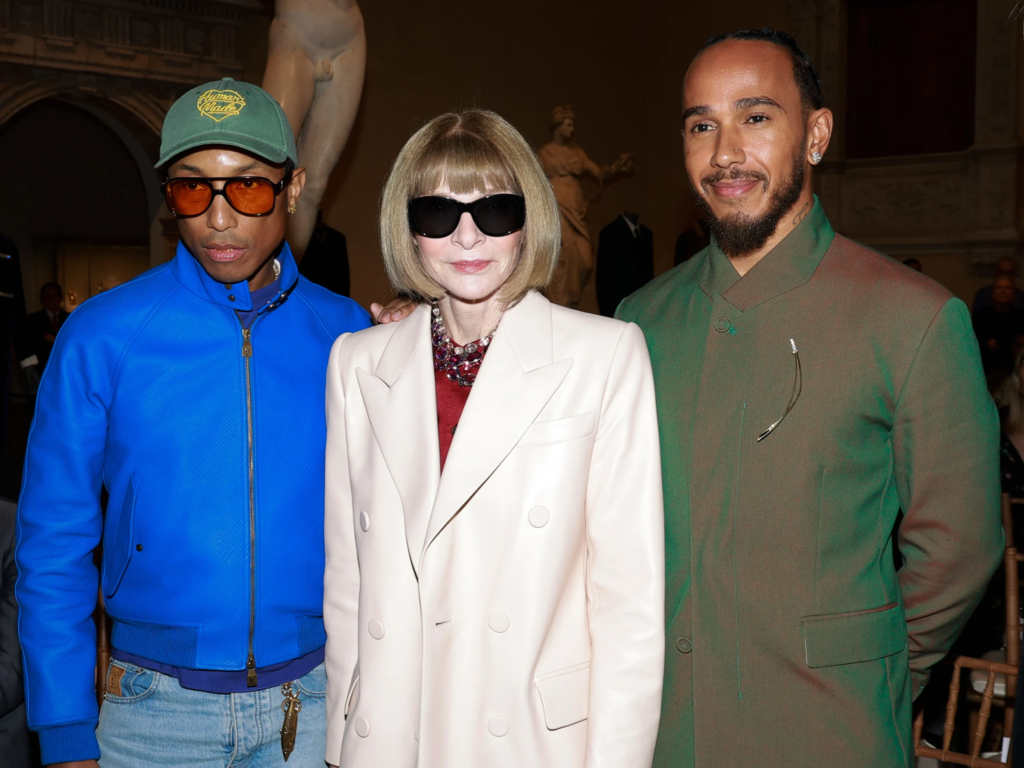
<point x="246" y="342"/>
<point x="250" y="667"/>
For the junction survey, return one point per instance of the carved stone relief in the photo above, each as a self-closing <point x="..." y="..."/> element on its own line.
<point x="153" y="39"/>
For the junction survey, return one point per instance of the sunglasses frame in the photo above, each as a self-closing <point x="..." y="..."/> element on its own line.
<point x="464" y="208"/>
<point x="277" y="187"/>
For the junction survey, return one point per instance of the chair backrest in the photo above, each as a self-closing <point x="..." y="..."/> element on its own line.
<point x="962" y="758"/>
<point x="1007" y="510"/>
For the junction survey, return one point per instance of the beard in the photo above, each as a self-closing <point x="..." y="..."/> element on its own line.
<point x="738" y="234"/>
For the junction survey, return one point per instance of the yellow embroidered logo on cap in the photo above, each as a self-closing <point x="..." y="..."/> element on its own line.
<point x="218" y="105"/>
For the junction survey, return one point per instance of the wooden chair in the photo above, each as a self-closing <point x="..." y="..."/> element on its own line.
<point x="102" y="647"/>
<point x="1003" y="674"/>
<point x="946" y="754"/>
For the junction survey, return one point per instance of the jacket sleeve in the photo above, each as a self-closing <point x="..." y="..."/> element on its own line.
<point x="341" y="576"/>
<point x="59" y="525"/>
<point x="626" y="566"/>
<point x="946" y="454"/>
<point x="12" y="689"/>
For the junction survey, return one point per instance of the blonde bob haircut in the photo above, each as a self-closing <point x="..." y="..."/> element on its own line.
<point x="472" y="150"/>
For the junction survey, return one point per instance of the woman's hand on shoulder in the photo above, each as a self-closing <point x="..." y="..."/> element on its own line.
<point x="397" y="309"/>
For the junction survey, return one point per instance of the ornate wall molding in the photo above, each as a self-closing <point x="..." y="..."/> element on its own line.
<point x="168" y="40"/>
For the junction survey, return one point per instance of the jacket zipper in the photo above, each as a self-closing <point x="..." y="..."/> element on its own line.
<point x="250" y="664"/>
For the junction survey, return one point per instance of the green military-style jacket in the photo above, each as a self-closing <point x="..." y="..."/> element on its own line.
<point x="791" y="639"/>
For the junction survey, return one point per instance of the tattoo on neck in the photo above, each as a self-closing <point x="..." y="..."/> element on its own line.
<point x="801" y="214"/>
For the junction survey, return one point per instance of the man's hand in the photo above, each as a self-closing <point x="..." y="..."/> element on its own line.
<point x="76" y="764"/>
<point x="397" y="309"/>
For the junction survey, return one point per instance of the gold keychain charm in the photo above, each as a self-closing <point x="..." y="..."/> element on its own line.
<point x="291" y="706"/>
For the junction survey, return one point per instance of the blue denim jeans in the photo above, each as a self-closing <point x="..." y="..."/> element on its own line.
<point x="156" y="722"/>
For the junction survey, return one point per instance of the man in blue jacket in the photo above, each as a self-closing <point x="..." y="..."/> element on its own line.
<point x="194" y="395"/>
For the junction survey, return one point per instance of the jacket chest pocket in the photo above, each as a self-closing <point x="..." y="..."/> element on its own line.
<point x="565" y="696"/>
<point x="559" y="430"/>
<point x="117" y="549"/>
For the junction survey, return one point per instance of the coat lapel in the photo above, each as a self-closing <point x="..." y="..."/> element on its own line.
<point x="401" y="404"/>
<point x="515" y="382"/>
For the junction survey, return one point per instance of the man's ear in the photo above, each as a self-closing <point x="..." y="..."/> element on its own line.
<point x="295" y="186"/>
<point x="819" y="131"/>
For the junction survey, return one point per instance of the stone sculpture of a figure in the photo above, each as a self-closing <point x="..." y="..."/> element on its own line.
<point x="565" y="164"/>
<point x="315" y="69"/>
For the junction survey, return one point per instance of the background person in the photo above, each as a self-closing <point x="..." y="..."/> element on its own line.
<point x="194" y="394"/>
<point x="1005" y="266"/>
<point x="997" y="327"/>
<point x="40" y="332"/>
<point x="494" y="513"/>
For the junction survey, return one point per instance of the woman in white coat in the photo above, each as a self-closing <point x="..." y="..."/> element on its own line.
<point x="493" y="593"/>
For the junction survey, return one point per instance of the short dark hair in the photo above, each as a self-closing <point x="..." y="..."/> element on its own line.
<point x="48" y="286"/>
<point x="807" y="80"/>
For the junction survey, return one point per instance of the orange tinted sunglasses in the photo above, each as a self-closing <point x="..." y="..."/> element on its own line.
<point x="188" y="196"/>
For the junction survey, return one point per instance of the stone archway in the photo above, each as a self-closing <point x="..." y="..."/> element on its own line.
<point x="144" y="106"/>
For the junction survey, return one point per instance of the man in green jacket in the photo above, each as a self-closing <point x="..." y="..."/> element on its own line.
<point x="808" y="389"/>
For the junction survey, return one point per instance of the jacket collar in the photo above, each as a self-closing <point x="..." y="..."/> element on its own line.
<point x="786" y="266"/>
<point x="190" y="273"/>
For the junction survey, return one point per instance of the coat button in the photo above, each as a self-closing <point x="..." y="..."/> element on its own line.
<point x="722" y="324"/>
<point x="364" y="521"/>
<point x="683" y="645"/>
<point x="539" y="517"/>
<point x="231" y="298"/>
<point x="498" y="622"/>
<point x="376" y="629"/>
<point x="497" y="726"/>
<point x="362" y="727"/>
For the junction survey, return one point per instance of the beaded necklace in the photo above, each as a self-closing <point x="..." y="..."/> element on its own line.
<point x="459" y="364"/>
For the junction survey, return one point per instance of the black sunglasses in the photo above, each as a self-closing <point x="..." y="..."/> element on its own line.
<point x="189" y="196"/>
<point x="495" y="215"/>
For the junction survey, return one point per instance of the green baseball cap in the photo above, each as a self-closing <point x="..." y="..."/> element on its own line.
<point x="231" y="113"/>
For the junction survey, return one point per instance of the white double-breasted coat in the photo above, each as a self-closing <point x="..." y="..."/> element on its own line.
<point x="509" y="612"/>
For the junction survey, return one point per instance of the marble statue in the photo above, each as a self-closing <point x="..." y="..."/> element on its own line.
<point x="315" y="69"/>
<point x="565" y="164"/>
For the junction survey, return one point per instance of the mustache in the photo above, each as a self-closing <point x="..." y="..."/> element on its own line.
<point x="736" y="174"/>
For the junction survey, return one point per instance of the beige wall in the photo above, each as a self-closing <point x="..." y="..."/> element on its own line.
<point x="620" y="67"/>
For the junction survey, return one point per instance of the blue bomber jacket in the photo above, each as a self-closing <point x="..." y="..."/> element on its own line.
<point x="210" y="443"/>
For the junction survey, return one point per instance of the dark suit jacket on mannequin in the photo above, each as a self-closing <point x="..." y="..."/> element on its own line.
<point x="625" y="261"/>
<point x="15" y="745"/>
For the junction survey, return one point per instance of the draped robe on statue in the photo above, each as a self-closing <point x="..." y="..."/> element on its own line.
<point x="564" y="165"/>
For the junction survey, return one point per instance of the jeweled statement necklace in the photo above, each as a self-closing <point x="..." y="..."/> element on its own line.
<point x="459" y="364"/>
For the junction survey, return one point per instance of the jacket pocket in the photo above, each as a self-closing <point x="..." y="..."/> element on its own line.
<point x="565" y="696"/>
<point x="559" y="430"/>
<point x="118" y="550"/>
<point x="848" y="638"/>
<point x="353" y="694"/>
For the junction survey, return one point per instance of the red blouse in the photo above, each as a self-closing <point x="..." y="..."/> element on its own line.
<point x="451" y="399"/>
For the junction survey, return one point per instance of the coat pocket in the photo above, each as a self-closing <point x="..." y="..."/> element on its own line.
<point x="559" y="430"/>
<point x="565" y="696"/>
<point x="118" y="549"/>
<point x="848" y="638"/>
<point x="353" y="694"/>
